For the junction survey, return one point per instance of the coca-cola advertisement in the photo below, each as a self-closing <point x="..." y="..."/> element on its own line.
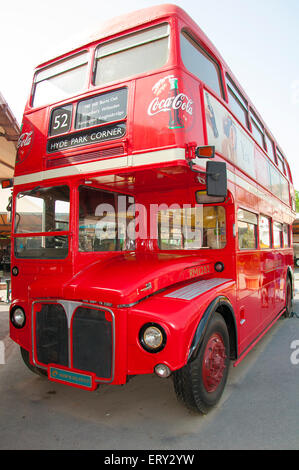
<point x="25" y="142"/>
<point x="168" y="98"/>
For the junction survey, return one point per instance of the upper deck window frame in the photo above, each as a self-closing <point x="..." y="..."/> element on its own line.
<point x="270" y="148"/>
<point x="280" y="161"/>
<point x="58" y="68"/>
<point x="239" y="100"/>
<point x="206" y="55"/>
<point x="257" y="129"/>
<point x="128" y="42"/>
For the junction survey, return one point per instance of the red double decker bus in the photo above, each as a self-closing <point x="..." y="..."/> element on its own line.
<point x="133" y="252"/>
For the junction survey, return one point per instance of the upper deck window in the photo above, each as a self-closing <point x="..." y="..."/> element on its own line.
<point x="280" y="162"/>
<point x="257" y="129"/>
<point x="270" y="147"/>
<point x="198" y="62"/>
<point x="238" y="104"/>
<point x="133" y="54"/>
<point x="60" y="80"/>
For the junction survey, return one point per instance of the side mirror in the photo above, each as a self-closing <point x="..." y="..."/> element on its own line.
<point x="216" y="179"/>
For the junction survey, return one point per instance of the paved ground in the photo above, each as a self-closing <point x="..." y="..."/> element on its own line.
<point x="259" y="409"/>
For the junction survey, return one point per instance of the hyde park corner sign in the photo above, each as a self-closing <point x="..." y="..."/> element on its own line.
<point x="91" y="115"/>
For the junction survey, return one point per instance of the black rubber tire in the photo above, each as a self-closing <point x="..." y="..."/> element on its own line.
<point x="289" y="299"/>
<point x="188" y="381"/>
<point x="36" y="370"/>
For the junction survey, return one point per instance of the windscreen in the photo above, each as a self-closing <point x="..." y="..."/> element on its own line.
<point x="39" y="211"/>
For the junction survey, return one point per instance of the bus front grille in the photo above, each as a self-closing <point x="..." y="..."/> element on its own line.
<point x="92" y="342"/>
<point x="51" y="332"/>
<point x="86" y="346"/>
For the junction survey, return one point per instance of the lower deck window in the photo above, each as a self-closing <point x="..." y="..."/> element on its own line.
<point x="106" y="221"/>
<point x="247" y="230"/>
<point x="265" y="232"/>
<point x="192" y="228"/>
<point x="277" y="235"/>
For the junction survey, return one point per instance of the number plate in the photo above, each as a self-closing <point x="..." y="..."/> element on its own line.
<point x="76" y="379"/>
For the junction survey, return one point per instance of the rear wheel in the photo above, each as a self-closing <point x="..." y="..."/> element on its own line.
<point x="36" y="370"/>
<point x="289" y="299"/>
<point x="200" y="384"/>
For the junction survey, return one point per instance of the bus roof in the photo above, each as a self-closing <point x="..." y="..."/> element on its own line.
<point x="132" y="20"/>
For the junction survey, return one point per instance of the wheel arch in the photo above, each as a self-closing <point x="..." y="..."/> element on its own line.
<point x="223" y="306"/>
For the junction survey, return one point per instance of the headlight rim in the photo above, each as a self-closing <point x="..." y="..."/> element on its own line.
<point x="143" y="343"/>
<point x="13" y="310"/>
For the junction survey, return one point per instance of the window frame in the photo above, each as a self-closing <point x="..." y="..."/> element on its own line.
<point x="30" y="193"/>
<point x="233" y="92"/>
<point x="275" y="224"/>
<point x="270" y="232"/>
<point x="189" y="36"/>
<point x="60" y="70"/>
<point x="288" y="241"/>
<point x="97" y="58"/>
<point x="185" y="249"/>
<point x="258" y="127"/>
<point x="250" y="222"/>
<point x="280" y="160"/>
<point x="115" y="195"/>
<point x="43" y="234"/>
<point x="267" y="139"/>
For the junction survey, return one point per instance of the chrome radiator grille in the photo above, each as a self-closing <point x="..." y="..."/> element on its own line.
<point x="75" y="335"/>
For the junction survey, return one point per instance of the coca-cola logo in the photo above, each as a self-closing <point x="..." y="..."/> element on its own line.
<point x="181" y="101"/>
<point x="24" y="143"/>
<point x="24" y="139"/>
<point x="169" y="99"/>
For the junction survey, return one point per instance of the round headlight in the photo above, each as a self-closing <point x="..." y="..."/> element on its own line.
<point x="18" y="317"/>
<point x="152" y="338"/>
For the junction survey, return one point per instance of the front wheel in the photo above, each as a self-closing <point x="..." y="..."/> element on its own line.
<point x="200" y="384"/>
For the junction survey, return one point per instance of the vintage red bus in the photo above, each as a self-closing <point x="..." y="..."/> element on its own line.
<point x="124" y="260"/>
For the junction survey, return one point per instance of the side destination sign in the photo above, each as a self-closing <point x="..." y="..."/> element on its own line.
<point x="88" y="136"/>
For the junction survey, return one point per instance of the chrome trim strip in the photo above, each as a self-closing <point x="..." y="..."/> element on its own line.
<point x="69" y="307"/>
<point x="195" y="289"/>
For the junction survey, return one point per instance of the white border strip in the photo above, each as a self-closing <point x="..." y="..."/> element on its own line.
<point x="147" y="158"/>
